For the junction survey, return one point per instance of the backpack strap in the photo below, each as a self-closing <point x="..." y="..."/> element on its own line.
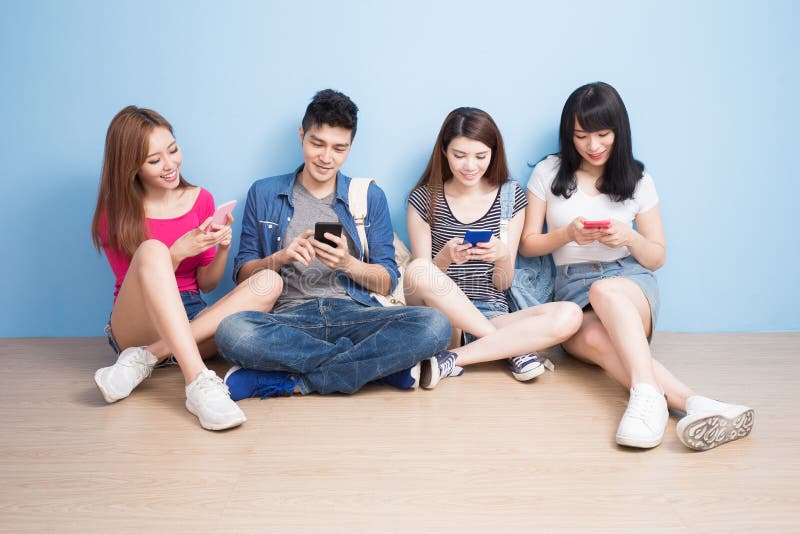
<point x="507" y="191"/>
<point x="357" y="202"/>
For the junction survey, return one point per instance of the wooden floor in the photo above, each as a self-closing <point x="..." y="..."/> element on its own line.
<point x="481" y="453"/>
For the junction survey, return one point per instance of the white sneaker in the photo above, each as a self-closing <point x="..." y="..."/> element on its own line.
<point x="134" y="364"/>
<point x="711" y="423"/>
<point x="208" y="398"/>
<point x="645" y="419"/>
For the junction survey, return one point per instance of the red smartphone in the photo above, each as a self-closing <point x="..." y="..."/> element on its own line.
<point x="597" y="224"/>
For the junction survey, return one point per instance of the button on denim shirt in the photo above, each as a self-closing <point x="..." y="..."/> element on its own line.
<point x="269" y="209"/>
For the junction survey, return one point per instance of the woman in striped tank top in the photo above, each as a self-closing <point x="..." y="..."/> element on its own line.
<point x="460" y="190"/>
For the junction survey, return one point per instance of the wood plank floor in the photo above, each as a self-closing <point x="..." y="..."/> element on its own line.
<point x="481" y="453"/>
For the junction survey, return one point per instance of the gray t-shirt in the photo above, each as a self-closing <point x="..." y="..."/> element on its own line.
<point x="301" y="283"/>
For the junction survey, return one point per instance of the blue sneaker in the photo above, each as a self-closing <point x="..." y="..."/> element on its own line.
<point x="405" y="379"/>
<point x="525" y="367"/>
<point x="246" y="383"/>
<point x="440" y="365"/>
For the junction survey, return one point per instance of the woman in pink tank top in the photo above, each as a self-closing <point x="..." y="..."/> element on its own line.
<point x="156" y="231"/>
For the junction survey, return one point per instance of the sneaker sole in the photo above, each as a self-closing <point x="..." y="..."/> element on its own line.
<point x="529" y="375"/>
<point x="639" y="443"/>
<point x="106" y="396"/>
<point x="230" y="372"/>
<point x="219" y="426"/>
<point x="702" y="432"/>
<point x="429" y="373"/>
<point x="415" y="374"/>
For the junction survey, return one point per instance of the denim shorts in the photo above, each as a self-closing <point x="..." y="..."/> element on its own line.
<point x="573" y="281"/>
<point x="489" y="310"/>
<point x="193" y="303"/>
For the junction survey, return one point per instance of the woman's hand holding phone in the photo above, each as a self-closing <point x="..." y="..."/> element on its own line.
<point x="456" y="252"/>
<point x="198" y="240"/>
<point x="582" y="235"/>
<point x="617" y="235"/>
<point x="490" y="251"/>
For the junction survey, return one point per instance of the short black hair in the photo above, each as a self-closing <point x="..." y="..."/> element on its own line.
<point x="332" y="108"/>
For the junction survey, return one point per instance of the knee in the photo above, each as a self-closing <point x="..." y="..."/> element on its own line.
<point x="264" y="289"/>
<point x="603" y="292"/>
<point x="568" y="319"/>
<point x="151" y="251"/>
<point x="437" y="328"/>
<point x="232" y="330"/>
<point x="419" y="275"/>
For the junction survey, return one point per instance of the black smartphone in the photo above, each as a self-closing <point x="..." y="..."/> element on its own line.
<point x="320" y="228"/>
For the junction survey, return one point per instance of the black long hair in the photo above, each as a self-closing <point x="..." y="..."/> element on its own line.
<point x="598" y="106"/>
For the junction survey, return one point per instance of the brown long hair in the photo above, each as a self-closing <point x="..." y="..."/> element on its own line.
<point x="120" y="200"/>
<point x="471" y="123"/>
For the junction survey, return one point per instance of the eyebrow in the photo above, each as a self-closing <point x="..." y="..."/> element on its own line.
<point x="156" y="153"/>
<point x="339" y="145"/>
<point x="483" y="152"/>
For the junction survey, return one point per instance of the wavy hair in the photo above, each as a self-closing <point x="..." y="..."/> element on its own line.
<point x="120" y="200"/>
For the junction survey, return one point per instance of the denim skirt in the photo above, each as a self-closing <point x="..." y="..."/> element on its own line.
<point x="574" y="280"/>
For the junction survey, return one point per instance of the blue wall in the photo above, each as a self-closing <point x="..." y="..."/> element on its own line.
<point x="711" y="88"/>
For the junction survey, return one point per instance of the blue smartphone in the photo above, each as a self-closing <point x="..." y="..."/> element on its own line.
<point x="473" y="237"/>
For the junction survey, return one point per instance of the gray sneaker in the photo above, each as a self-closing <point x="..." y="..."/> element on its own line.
<point x="525" y="367"/>
<point x="208" y="398"/>
<point x="116" y="382"/>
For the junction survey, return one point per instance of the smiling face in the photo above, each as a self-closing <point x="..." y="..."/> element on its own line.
<point x="593" y="147"/>
<point x="325" y="149"/>
<point x="161" y="169"/>
<point x="468" y="160"/>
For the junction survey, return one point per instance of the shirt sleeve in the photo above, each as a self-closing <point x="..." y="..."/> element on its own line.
<point x="542" y="177"/>
<point x="645" y="193"/>
<point x="420" y="200"/>
<point x="520" y="200"/>
<point x="249" y="244"/>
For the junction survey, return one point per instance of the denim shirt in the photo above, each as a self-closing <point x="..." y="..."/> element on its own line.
<point x="269" y="209"/>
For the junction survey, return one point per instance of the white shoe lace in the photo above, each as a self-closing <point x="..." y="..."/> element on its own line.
<point x="210" y="385"/>
<point x="521" y="361"/>
<point x="446" y="365"/>
<point x="138" y="364"/>
<point x="640" y="405"/>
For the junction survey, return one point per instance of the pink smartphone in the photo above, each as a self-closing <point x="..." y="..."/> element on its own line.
<point x="597" y="224"/>
<point x="220" y="216"/>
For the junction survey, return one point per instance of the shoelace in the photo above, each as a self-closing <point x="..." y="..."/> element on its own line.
<point x="446" y="365"/>
<point x="520" y="361"/>
<point x="639" y="405"/>
<point x="212" y="385"/>
<point x="139" y="365"/>
<point x="266" y="390"/>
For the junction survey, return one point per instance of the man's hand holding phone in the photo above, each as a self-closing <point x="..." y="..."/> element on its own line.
<point x="330" y="246"/>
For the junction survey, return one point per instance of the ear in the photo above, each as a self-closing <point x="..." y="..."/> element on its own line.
<point x="301" y="133"/>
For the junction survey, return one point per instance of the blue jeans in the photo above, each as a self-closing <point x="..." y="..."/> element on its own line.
<point x="333" y="345"/>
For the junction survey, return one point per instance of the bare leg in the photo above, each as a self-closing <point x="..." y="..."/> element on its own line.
<point x="257" y="293"/>
<point x="502" y="337"/>
<point x="593" y="344"/>
<point x="149" y="307"/>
